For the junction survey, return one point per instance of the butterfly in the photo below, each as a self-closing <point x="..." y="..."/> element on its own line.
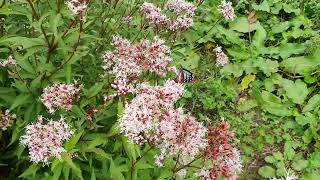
<point x="185" y="76"/>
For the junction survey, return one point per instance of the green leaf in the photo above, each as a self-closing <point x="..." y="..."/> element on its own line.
<point x="73" y="166"/>
<point x="259" y="38"/>
<point x="73" y="141"/>
<point x="115" y="172"/>
<point x="93" y="175"/>
<point x="241" y="24"/>
<point x="94" y="90"/>
<point x="312" y="103"/>
<point x="301" y="65"/>
<point x="267" y="172"/>
<point x="296" y="91"/>
<point x="143" y="165"/>
<point x="288" y="49"/>
<point x="300" y="165"/>
<point x="30" y="171"/>
<point x="20" y="100"/>
<point x="24" y="42"/>
<point x="129" y="148"/>
<point x="99" y="152"/>
<point x="266" y="66"/>
<point x="264" y="6"/>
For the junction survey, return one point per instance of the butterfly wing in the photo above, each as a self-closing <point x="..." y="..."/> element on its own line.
<point x="188" y="76"/>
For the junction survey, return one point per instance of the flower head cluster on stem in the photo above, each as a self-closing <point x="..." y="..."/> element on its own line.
<point x="222" y="58"/>
<point x="77" y="6"/>
<point x="130" y="60"/>
<point x="6" y="120"/>
<point x="226" y="9"/>
<point x="45" y="140"/>
<point x="222" y="153"/>
<point x="60" y="96"/>
<point x="181" y="21"/>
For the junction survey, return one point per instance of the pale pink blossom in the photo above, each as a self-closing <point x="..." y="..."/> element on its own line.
<point x="290" y="175"/>
<point x="204" y="174"/>
<point x="6" y="120"/>
<point x="77" y="6"/>
<point x="8" y="62"/>
<point x="153" y="14"/>
<point x="131" y="60"/>
<point x="180" y="7"/>
<point x="182" y="173"/>
<point x="60" y="96"/>
<point x="45" y="140"/>
<point x="182" y="23"/>
<point x="226" y="9"/>
<point x="221" y="58"/>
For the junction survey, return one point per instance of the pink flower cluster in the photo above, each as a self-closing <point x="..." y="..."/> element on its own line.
<point x="180" y="22"/>
<point x="222" y="58"/>
<point x="226" y="157"/>
<point x="6" y="120"/>
<point x="130" y="60"/>
<point x="8" y="62"/>
<point x="151" y="117"/>
<point x="45" y="140"/>
<point x="60" y="96"/>
<point x="121" y="87"/>
<point x="77" y="6"/>
<point x="226" y="9"/>
<point x="153" y="15"/>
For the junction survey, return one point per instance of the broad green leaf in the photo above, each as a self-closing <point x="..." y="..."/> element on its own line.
<point x="267" y="172"/>
<point x="23" y="41"/>
<point x="99" y="152"/>
<point x="296" y="91"/>
<point x="301" y="65"/>
<point x="288" y="49"/>
<point x="129" y="148"/>
<point x="266" y="66"/>
<point x="94" y="90"/>
<point x="143" y="165"/>
<point x="93" y="175"/>
<point x="312" y="103"/>
<point x="280" y="27"/>
<point x="264" y="6"/>
<point x="300" y="165"/>
<point x="241" y="24"/>
<point x="259" y="38"/>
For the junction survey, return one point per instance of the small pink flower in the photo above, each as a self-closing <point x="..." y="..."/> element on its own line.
<point x="8" y="62"/>
<point x="222" y="58"/>
<point x="60" y="96"/>
<point x="153" y="14"/>
<point x="45" y="140"/>
<point x="6" y="120"/>
<point x="180" y="7"/>
<point x="226" y="9"/>
<point x="77" y="6"/>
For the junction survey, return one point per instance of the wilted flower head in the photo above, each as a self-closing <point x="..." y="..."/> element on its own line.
<point x="45" y="140"/>
<point x="77" y="6"/>
<point x="6" y="119"/>
<point x="181" y="7"/>
<point x="130" y="60"/>
<point x="8" y="62"/>
<point x="153" y="14"/>
<point x="226" y="157"/>
<point x="222" y="58"/>
<point x="60" y="96"/>
<point x="226" y="9"/>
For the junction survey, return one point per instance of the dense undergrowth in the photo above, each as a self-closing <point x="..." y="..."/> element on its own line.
<point x="258" y="71"/>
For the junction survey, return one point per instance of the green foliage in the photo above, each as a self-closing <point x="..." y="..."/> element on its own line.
<point x="269" y="92"/>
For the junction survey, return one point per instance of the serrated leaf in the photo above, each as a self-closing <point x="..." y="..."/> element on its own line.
<point x="264" y="6"/>
<point x="115" y="172"/>
<point x="267" y="66"/>
<point x="300" y="165"/>
<point x="73" y="166"/>
<point x="73" y="141"/>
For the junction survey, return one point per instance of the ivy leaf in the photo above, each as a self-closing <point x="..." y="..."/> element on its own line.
<point x="267" y="172"/>
<point x="296" y="91"/>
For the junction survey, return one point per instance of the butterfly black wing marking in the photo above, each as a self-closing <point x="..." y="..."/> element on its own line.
<point x="188" y="76"/>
